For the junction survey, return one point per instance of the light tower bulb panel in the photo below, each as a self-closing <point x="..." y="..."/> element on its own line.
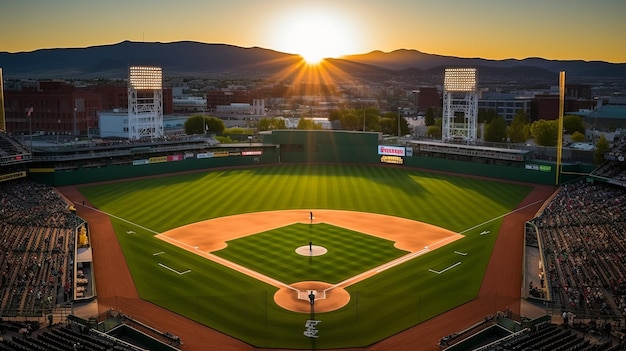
<point x="460" y="79"/>
<point x="143" y="77"/>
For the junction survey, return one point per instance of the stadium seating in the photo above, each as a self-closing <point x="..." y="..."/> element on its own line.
<point x="36" y="242"/>
<point x="583" y="234"/>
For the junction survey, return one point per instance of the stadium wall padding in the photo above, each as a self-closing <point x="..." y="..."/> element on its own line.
<point x="497" y="171"/>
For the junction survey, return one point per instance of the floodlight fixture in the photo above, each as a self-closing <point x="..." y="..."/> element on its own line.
<point x="460" y="79"/>
<point x="145" y="77"/>
<point x="460" y="105"/>
<point x="145" y="102"/>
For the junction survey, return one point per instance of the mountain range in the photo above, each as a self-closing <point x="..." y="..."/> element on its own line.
<point x="201" y="60"/>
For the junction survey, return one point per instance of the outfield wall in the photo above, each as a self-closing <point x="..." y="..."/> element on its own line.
<point x="300" y="146"/>
<point x="112" y="172"/>
<point x="540" y="175"/>
<point x="325" y="146"/>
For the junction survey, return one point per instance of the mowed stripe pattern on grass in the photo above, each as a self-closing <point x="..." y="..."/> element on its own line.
<point x="273" y="254"/>
<point x="455" y="203"/>
<point x="396" y="298"/>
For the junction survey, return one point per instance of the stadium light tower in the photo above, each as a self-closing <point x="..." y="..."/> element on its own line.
<point x="145" y="102"/>
<point x="460" y="101"/>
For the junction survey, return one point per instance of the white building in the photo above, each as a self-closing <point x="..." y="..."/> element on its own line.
<point x="114" y="124"/>
<point x="256" y="109"/>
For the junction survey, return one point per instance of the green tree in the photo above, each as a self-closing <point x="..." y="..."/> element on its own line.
<point x="387" y="125"/>
<point x="308" y="124"/>
<point x="335" y="115"/>
<point x="518" y="130"/>
<point x="215" y="125"/>
<point x="429" y="118"/>
<point x="495" y="131"/>
<point x="545" y="132"/>
<point x="602" y="146"/>
<point x="195" y="125"/>
<point x="486" y="115"/>
<point x="434" y="132"/>
<point x="271" y="123"/>
<point x="573" y="123"/>
<point x="391" y="124"/>
<point x="351" y="121"/>
<point x="371" y="116"/>
<point x="200" y="124"/>
<point x="578" y="137"/>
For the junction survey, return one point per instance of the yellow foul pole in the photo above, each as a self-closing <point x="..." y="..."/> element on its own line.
<point x="3" y="125"/>
<point x="559" y="146"/>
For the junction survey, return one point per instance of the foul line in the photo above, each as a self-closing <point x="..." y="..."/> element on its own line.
<point x="439" y="272"/>
<point x="232" y="265"/>
<point x="506" y="214"/>
<point x="173" y="270"/>
<point x="121" y="219"/>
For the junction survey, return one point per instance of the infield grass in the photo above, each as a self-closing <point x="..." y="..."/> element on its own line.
<point x="243" y="307"/>
<point x="272" y="253"/>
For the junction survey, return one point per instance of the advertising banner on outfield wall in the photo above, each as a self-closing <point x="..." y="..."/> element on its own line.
<point x="213" y="154"/>
<point x="396" y="160"/>
<point x="252" y="153"/>
<point x="158" y="159"/>
<point x="172" y="158"/>
<point x="541" y="168"/>
<point x="391" y="150"/>
<point x="140" y="162"/>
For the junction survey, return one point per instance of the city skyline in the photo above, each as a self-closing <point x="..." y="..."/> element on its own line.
<point x="558" y="29"/>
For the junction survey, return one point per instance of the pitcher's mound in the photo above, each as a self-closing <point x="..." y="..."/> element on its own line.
<point x="311" y="251"/>
<point x="335" y="299"/>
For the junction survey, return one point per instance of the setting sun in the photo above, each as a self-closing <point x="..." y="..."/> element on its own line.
<point x="314" y="34"/>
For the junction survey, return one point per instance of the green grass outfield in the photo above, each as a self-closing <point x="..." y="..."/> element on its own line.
<point x="243" y="307"/>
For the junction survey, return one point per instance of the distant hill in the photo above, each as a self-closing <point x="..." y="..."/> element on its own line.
<point x="112" y="61"/>
<point x="404" y="59"/>
<point x="194" y="59"/>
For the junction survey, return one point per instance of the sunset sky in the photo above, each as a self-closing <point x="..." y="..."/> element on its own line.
<point x="493" y="29"/>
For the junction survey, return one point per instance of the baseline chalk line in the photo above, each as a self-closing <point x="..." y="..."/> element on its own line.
<point x="173" y="270"/>
<point x="439" y="272"/>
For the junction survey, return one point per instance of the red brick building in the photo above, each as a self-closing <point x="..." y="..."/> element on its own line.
<point x="428" y="97"/>
<point x="547" y="106"/>
<point x="61" y="108"/>
<point x="216" y="98"/>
